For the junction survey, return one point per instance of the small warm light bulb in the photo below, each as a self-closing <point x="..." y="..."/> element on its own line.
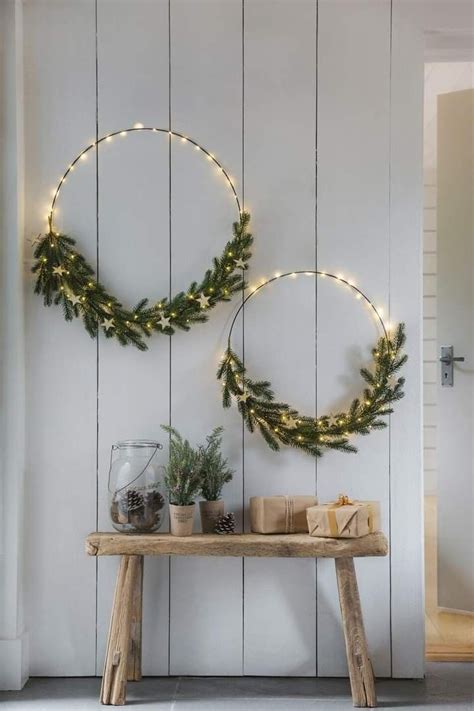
<point x="380" y="310"/>
<point x="358" y="296"/>
<point x="138" y="125"/>
<point x="323" y="274"/>
<point x="123" y="133"/>
<point x="293" y="275"/>
<point x="197" y="148"/>
<point x="277" y="274"/>
<point x="340" y="277"/>
<point x="84" y="156"/>
<point x="108" y="139"/>
<point x="183" y="139"/>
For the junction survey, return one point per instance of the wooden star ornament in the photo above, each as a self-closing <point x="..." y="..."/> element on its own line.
<point x="240" y="264"/>
<point x="59" y="271"/>
<point x="290" y="423"/>
<point x="74" y="299"/>
<point x="164" y="321"/>
<point x="204" y="301"/>
<point x="243" y="397"/>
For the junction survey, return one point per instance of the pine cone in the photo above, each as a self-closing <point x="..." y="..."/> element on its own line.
<point x="131" y="500"/>
<point x="154" y="501"/>
<point x="225" y="524"/>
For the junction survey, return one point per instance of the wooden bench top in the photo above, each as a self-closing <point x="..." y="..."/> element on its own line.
<point x="296" y="545"/>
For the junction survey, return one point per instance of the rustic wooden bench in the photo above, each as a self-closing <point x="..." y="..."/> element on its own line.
<point x="123" y="656"/>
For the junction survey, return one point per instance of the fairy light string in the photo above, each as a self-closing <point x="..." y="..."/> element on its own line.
<point x="64" y="277"/>
<point x="280" y="423"/>
<point x="124" y="132"/>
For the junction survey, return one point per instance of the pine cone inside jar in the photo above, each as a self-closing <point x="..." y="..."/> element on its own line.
<point x="154" y="501"/>
<point x="131" y="501"/>
<point x="225" y="524"/>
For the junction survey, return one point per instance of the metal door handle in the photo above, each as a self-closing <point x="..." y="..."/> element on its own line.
<point x="447" y="365"/>
<point x="448" y="359"/>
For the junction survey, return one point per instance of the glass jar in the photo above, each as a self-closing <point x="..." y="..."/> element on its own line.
<point x="135" y="480"/>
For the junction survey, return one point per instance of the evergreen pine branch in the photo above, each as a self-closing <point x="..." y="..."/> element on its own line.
<point x="101" y="310"/>
<point x="278" y="423"/>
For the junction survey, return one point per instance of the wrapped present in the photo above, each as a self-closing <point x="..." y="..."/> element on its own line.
<point x="280" y="514"/>
<point x="344" y="518"/>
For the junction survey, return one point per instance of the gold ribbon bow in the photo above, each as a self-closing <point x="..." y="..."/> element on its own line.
<point x="343" y="500"/>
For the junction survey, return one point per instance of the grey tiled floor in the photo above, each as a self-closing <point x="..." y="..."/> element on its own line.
<point x="447" y="686"/>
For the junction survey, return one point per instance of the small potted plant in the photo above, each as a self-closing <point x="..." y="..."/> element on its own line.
<point x="214" y="474"/>
<point x="182" y="481"/>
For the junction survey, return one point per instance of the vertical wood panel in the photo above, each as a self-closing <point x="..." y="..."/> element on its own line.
<point x="280" y="100"/>
<point x="133" y="387"/>
<point x="61" y="360"/>
<point x="406" y="189"/>
<point x="206" y="76"/>
<point x="353" y="239"/>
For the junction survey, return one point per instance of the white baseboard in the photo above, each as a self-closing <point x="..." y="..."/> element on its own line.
<point x="13" y="663"/>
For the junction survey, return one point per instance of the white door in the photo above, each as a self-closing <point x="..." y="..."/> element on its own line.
<point x="456" y="330"/>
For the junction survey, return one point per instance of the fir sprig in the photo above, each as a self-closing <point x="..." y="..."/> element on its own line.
<point x="64" y="277"/>
<point x="214" y="468"/>
<point x="183" y="476"/>
<point x="279" y="423"/>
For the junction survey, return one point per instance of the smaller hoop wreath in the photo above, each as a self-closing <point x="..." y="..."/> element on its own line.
<point x="65" y="277"/>
<point x="280" y="423"/>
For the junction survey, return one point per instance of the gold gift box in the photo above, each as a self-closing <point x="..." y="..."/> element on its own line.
<point x="343" y="518"/>
<point x="280" y="514"/>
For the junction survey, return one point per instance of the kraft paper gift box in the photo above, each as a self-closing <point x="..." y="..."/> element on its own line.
<point x="280" y="514"/>
<point x="344" y="518"/>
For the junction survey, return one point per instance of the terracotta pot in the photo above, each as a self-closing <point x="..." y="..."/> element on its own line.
<point x="181" y="520"/>
<point x="210" y="512"/>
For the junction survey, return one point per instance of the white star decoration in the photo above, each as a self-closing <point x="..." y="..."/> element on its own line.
<point x="74" y="299"/>
<point x="290" y="423"/>
<point x="240" y="264"/>
<point x="203" y="300"/>
<point x="108" y="323"/>
<point x="59" y="271"/>
<point x="243" y="397"/>
<point x="164" y="321"/>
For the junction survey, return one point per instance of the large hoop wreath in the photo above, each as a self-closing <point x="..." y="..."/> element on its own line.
<point x="64" y="277"/>
<point x="280" y="423"/>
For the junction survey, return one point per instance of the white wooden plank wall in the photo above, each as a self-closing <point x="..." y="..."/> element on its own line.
<point x="353" y="239"/>
<point x="206" y="103"/>
<point x="260" y="84"/>
<point x="61" y="363"/>
<point x="134" y="249"/>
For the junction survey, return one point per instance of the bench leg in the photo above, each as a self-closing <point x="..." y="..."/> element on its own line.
<point x="135" y="655"/>
<point x="117" y="659"/>
<point x="360" y="668"/>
